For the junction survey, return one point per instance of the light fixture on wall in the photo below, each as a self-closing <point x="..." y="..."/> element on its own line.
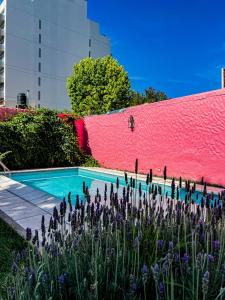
<point x="131" y="123"/>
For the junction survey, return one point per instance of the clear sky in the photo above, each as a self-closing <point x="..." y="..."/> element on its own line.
<point x="173" y="45"/>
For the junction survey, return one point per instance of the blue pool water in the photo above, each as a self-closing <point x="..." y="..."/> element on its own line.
<point x="59" y="183"/>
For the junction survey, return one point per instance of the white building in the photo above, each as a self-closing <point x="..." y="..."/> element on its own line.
<point x="40" y="40"/>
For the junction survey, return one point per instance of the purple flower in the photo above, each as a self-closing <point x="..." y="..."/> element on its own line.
<point x="133" y="283"/>
<point x="28" y="234"/>
<point x="205" y="282"/>
<point x="144" y="274"/>
<point x="145" y="269"/>
<point x="185" y="258"/>
<point x="210" y="258"/>
<point x="202" y="237"/>
<point x="170" y="245"/>
<point x="216" y="245"/>
<point x="155" y="270"/>
<point x="63" y="279"/>
<point x="160" y="244"/>
<point x="14" y="268"/>
<point x="26" y="272"/>
<point x="161" y="289"/>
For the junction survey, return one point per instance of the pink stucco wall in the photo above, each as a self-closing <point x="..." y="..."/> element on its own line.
<point x="186" y="134"/>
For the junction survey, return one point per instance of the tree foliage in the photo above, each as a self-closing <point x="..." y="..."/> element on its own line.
<point x="97" y="86"/>
<point x="38" y="139"/>
<point x="150" y="95"/>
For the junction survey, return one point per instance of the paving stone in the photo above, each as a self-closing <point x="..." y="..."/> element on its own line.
<point x="42" y="199"/>
<point x="49" y="205"/>
<point x="22" y="211"/>
<point x="5" y="194"/>
<point x="21" y="191"/>
<point x="10" y="202"/>
<point x="34" y="222"/>
<point x="36" y="196"/>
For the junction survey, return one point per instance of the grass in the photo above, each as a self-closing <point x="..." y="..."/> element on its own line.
<point x="10" y="243"/>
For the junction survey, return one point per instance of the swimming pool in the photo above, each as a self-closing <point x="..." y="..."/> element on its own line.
<point x="59" y="183"/>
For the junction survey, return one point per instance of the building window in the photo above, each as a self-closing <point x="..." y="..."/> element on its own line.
<point x="39" y="38"/>
<point x="39" y="95"/>
<point x="39" y="53"/>
<point x="89" y="42"/>
<point x="39" y="81"/>
<point x="39" y="24"/>
<point x="89" y="54"/>
<point x="39" y="67"/>
<point x="39" y="105"/>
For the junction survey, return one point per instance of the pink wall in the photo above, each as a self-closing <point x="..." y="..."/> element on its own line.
<point x="186" y="134"/>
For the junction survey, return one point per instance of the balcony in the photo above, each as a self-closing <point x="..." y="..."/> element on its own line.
<point x="2" y="79"/>
<point x="2" y="32"/>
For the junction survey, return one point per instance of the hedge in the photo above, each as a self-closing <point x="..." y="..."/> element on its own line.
<point x="39" y="139"/>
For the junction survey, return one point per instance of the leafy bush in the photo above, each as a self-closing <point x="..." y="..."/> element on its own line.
<point x="140" y="246"/>
<point x="7" y="113"/>
<point x="90" y="162"/>
<point x="38" y="139"/>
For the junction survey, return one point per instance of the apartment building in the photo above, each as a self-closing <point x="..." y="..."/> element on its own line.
<point x="40" y="40"/>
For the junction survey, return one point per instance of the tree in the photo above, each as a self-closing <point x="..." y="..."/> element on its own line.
<point x="97" y="86"/>
<point x="150" y="95"/>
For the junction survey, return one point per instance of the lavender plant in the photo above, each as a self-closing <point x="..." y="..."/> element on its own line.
<point x="117" y="246"/>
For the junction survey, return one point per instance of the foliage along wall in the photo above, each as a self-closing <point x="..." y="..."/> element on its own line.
<point x="6" y="112"/>
<point x="186" y="134"/>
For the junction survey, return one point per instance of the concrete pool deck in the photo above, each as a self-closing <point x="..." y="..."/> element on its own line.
<point x="22" y="206"/>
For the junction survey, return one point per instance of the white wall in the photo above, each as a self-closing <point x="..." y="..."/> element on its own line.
<point x="65" y="33"/>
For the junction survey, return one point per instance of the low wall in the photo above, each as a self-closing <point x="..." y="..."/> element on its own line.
<point x="186" y="134"/>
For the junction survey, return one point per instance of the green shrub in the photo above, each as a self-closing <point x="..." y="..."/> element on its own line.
<point x="90" y="162"/>
<point x="39" y="139"/>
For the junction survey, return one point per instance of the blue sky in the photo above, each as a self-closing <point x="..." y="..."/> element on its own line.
<point x="173" y="45"/>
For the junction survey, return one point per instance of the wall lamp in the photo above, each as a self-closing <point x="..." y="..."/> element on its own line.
<point x="131" y="123"/>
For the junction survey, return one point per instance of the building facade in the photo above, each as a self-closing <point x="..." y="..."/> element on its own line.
<point x="40" y="40"/>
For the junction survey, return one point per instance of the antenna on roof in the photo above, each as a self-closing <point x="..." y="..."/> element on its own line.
<point x="223" y="78"/>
